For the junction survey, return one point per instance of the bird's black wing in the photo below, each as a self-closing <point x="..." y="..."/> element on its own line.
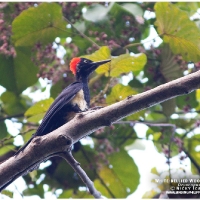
<point x="63" y="99"/>
<point x="60" y="102"/>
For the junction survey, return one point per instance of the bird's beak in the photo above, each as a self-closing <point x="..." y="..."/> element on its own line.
<point x="95" y="65"/>
<point x="98" y="63"/>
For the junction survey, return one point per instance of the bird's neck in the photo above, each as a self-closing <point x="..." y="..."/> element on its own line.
<point x="86" y="90"/>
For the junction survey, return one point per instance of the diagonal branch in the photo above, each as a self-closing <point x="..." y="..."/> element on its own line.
<point x="86" y="123"/>
<point x="77" y="168"/>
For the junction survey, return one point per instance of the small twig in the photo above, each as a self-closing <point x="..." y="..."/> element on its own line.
<point x="140" y="43"/>
<point x="83" y="35"/>
<point x="12" y="116"/>
<point x="77" y="168"/>
<point x="192" y="160"/>
<point x="11" y="137"/>
<point x="94" y="99"/>
<point x="101" y="180"/>
<point x="147" y="123"/>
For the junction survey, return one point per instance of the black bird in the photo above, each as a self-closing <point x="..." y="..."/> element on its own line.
<point x="73" y="99"/>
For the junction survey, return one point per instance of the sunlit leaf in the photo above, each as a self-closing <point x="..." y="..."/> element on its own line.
<point x="39" y="24"/>
<point x="126" y="63"/>
<point x="5" y="149"/>
<point x="40" y="107"/>
<point x="182" y="34"/>
<point x="119" y="92"/>
<point x="121" y="64"/>
<point x="36" y="118"/>
<point x="154" y="171"/>
<point x="7" y="193"/>
<point x="102" y="54"/>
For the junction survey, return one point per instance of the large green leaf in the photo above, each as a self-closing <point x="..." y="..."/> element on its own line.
<point x="39" y="24"/>
<point x="7" y="73"/>
<point x="40" y="107"/>
<point x="119" y="92"/>
<point x="178" y="30"/>
<point x="121" y="179"/>
<point x="19" y="73"/>
<point x="126" y="63"/>
<point x="102" y="54"/>
<point x="121" y="64"/>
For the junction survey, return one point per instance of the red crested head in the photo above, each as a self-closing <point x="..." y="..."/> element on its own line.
<point x="73" y="64"/>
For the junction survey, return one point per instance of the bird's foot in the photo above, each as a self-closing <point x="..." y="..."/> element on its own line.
<point x="96" y="108"/>
<point x="90" y="110"/>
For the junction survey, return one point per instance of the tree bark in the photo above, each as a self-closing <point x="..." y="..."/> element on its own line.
<point x="83" y="124"/>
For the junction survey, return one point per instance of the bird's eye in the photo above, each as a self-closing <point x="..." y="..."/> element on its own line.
<point x="85" y="61"/>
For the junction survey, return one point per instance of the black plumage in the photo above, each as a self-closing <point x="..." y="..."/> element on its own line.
<point x="73" y="99"/>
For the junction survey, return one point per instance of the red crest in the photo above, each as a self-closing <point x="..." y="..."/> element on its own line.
<point x="73" y="64"/>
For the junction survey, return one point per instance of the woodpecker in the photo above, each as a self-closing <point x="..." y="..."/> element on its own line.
<point x="73" y="99"/>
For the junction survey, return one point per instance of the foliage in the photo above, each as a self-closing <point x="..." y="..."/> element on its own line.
<point x="37" y="42"/>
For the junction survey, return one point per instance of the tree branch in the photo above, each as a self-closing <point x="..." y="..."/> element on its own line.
<point x="77" y="168"/>
<point x="83" y="124"/>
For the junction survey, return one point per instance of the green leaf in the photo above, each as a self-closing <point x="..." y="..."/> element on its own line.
<point x="122" y="64"/>
<point x="189" y="7"/>
<point x="187" y="100"/>
<point x="7" y="193"/>
<point x="39" y="24"/>
<point x="3" y="130"/>
<point x="19" y="73"/>
<point x="28" y="135"/>
<point x="182" y="34"/>
<point x="40" y="107"/>
<point x="137" y="115"/>
<point x="169" y="67"/>
<point x="24" y="69"/>
<point x="126" y="63"/>
<point x="137" y="144"/>
<point x="12" y="104"/>
<point x="91" y="13"/>
<point x="192" y="143"/>
<point x="5" y="149"/>
<point x="134" y="9"/>
<point x="102" y="54"/>
<point x="121" y="180"/>
<point x="154" y="171"/>
<point x="129" y="176"/>
<point x="36" y="118"/>
<point x="76" y="195"/>
<point x="7" y="73"/>
<point x="119" y="92"/>
<point x="168" y="107"/>
<point x="37" y="189"/>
